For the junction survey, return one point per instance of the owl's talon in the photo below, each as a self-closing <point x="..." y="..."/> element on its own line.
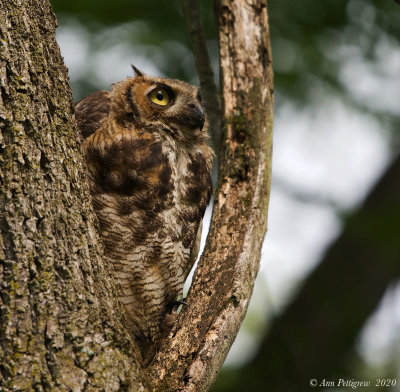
<point x="174" y="306"/>
<point x="178" y="303"/>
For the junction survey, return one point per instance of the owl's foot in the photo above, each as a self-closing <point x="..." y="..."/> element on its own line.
<point x="173" y="306"/>
<point x="169" y="319"/>
<point x="176" y="304"/>
<point x="149" y="351"/>
<point x="166" y="326"/>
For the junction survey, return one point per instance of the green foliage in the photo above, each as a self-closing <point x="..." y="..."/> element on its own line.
<point x="305" y="35"/>
<point x="161" y="29"/>
<point x="165" y="17"/>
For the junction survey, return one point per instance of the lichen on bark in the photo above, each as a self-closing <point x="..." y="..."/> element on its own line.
<point x="59" y="323"/>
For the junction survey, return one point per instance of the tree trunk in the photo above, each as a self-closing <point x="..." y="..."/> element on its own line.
<point x="60" y="329"/>
<point x="224" y="279"/>
<point x="60" y="325"/>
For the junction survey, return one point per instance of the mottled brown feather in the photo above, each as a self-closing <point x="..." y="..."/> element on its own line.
<point x="149" y="173"/>
<point x="91" y="111"/>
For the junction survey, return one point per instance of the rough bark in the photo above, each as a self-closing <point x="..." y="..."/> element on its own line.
<point x="224" y="280"/>
<point x="315" y="337"/>
<point x="59" y="323"/>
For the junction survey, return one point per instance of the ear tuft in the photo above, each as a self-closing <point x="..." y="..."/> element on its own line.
<point x="137" y="71"/>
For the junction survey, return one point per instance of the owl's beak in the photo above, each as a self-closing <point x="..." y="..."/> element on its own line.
<point x="195" y="116"/>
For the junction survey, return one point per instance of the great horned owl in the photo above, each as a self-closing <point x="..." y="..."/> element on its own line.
<point x="149" y="164"/>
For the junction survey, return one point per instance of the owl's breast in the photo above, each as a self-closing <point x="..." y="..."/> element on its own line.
<point x="154" y="189"/>
<point x="128" y="163"/>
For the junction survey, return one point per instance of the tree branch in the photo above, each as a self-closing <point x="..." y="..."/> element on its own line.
<point x="224" y="280"/>
<point x="203" y="64"/>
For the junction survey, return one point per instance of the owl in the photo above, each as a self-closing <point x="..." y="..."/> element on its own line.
<point x="149" y="171"/>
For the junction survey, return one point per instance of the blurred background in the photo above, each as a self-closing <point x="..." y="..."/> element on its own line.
<point x="326" y="303"/>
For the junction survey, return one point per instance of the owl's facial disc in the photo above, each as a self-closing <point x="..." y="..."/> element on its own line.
<point x="178" y="106"/>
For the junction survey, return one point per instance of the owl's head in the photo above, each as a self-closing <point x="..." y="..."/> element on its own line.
<point x="169" y="103"/>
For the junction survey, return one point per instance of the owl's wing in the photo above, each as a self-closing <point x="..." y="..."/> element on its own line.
<point x="91" y="111"/>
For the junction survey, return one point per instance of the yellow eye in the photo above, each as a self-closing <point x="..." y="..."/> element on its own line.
<point x="160" y="96"/>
